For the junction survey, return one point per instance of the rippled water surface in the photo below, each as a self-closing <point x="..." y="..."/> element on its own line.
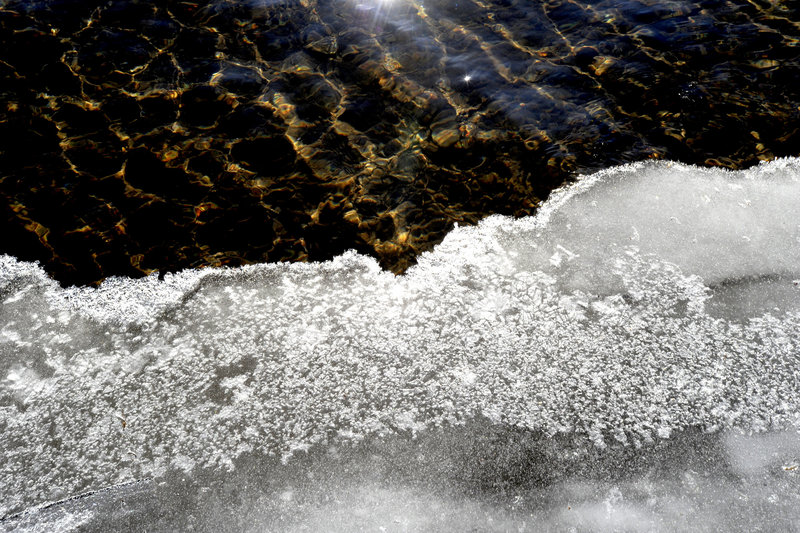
<point x="138" y="136"/>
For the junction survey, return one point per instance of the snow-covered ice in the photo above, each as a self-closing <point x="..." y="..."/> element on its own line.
<point x="643" y="304"/>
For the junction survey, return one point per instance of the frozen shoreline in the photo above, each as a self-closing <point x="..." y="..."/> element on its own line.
<point x="622" y="314"/>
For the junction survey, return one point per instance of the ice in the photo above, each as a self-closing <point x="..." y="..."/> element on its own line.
<point x="641" y="303"/>
<point x="484" y="478"/>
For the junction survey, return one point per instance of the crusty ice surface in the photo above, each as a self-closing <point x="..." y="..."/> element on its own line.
<point x="630" y="308"/>
<point x="692" y="482"/>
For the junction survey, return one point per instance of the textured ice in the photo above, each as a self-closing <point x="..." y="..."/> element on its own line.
<point x="641" y="302"/>
<point x="690" y="482"/>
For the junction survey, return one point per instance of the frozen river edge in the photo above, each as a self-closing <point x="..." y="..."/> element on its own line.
<point x="646" y="301"/>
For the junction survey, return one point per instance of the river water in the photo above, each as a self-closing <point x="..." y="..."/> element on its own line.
<point x="142" y="136"/>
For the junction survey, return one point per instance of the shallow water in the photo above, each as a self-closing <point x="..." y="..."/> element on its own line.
<point x="139" y="137"/>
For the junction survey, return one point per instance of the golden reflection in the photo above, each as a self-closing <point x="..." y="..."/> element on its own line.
<point x="314" y="127"/>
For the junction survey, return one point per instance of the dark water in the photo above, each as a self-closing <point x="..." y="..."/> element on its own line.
<point x="138" y="136"/>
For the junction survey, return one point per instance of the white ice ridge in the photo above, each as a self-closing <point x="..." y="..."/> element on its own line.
<point x="645" y="299"/>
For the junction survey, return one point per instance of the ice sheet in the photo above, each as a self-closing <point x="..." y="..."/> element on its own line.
<point x="620" y="315"/>
<point x="476" y="477"/>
